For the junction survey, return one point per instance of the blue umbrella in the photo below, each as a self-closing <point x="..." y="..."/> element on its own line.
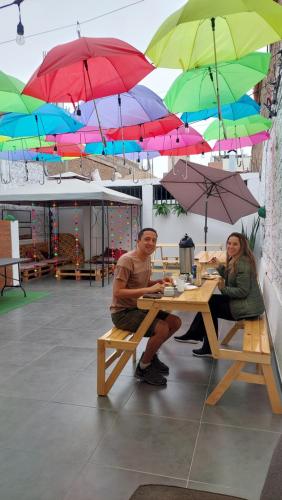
<point x="112" y="148"/>
<point x="48" y="119"/>
<point x="245" y="106"/>
<point x="24" y="155"/>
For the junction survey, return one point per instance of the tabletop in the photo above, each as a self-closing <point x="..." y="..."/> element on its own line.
<point x="9" y="261"/>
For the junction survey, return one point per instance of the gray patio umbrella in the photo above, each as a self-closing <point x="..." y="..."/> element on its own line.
<point x="211" y="192"/>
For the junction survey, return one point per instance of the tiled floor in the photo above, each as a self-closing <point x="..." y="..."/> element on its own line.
<point x="58" y="441"/>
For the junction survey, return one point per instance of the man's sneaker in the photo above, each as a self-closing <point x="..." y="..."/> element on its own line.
<point x="150" y="375"/>
<point x="159" y="365"/>
<point x="202" y="353"/>
<point x="187" y="337"/>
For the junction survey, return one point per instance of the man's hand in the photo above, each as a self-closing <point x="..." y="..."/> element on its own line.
<point x="157" y="287"/>
<point x="167" y="280"/>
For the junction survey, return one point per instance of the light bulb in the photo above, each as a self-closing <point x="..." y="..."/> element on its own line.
<point x="20" y="40"/>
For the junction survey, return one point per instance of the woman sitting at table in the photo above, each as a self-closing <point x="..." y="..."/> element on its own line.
<point x="240" y="294"/>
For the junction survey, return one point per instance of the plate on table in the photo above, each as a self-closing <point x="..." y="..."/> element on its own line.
<point x="190" y="287"/>
<point x="210" y="276"/>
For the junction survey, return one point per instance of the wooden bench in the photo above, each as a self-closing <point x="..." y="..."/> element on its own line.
<point x="121" y="341"/>
<point x="124" y="343"/>
<point x="256" y="350"/>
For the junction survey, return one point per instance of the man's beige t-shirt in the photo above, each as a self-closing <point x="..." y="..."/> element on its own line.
<point x="135" y="273"/>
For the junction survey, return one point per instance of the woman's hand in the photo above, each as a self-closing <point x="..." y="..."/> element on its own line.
<point x="215" y="261"/>
<point x="221" y="283"/>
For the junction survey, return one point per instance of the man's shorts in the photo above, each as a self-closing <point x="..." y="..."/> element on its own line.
<point x="131" y="319"/>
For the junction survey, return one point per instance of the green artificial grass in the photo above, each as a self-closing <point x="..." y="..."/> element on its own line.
<point x="12" y="299"/>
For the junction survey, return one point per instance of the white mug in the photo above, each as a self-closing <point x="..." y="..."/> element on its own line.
<point x="180" y="285"/>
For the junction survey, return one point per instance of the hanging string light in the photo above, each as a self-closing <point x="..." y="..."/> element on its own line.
<point x="76" y="235"/>
<point x="55" y="235"/>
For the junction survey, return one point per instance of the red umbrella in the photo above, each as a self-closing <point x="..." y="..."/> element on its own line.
<point x="88" y="68"/>
<point x="149" y="129"/>
<point x="63" y="150"/>
<point x="195" y="149"/>
<point x="210" y="192"/>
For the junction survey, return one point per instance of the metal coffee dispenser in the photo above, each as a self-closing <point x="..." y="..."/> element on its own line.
<point x="186" y="254"/>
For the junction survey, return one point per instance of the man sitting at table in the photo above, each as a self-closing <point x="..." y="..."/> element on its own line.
<point x="131" y="281"/>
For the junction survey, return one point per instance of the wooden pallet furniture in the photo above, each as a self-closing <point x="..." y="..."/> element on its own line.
<point x="255" y="350"/>
<point x="124" y="344"/>
<point x="84" y="271"/>
<point x="165" y="263"/>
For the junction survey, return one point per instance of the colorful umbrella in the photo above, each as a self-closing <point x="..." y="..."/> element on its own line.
<point x="241" y="142"/>
<point x="11" y="99"/>
<point x="69" y="150"/>
<point x="112" y="148"/>
<point x="141" y="155"/>
<point x="204" y="31"/>
<point x="239" y="128"/>
<point x="28" y="156"/>
<point x="178" y="138"/>
<point x="22" y="143"/>
<point x="83" y="136"/>
<point x="86" y="69"/>
<point x="143" y="130"/>
<point x="138" y="105"/>
<point x="195" y="90"/>
<point x="195" y="149"/>
<point x="245" y="106"/>
<point x="210" y="192"/>
<point x="48" y="119"/>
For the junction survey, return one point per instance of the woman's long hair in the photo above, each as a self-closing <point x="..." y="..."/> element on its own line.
<point x="231" y="263"/>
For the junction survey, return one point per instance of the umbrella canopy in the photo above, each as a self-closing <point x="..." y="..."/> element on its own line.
<point x="83" y="136"/>
<point x="195" y="149"/>
<point x="210" y="192"/>
<point x="69" y="150"/>
<point x="177" y="138"/>
<point x="24" y="143"/>
<point x="48" y="119"/>
<point x="143" y="130"/>
<point x="186" y="39"/>
<point x="141" y="155"/>
<point x="138" y="105"/>
<point x="88" y="68"/>
<point x="28" y="156"/>
<point x="239" y="128"/>
<point x="195" y="90"/>
<point x="11" y="99"/>
<point x="245" y="106"/>
<point x="241" y="142"/>
<point x="112" y="148"/>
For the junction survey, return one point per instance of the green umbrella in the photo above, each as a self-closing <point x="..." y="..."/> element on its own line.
<point x="11" y="99"/>
<point x="205" y="31"/>
<point x="24" y="143"/>
<point x="195" y="90"/>
<point x="237" y="128"/>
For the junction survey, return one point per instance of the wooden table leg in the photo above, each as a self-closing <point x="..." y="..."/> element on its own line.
<point x="211" y="333"/>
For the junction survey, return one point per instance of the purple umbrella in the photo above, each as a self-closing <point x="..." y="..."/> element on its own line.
<point x="240" y="142"/>
<point x="138" y="105"/>
<point x="24" y="155"/>
<point x="210" y="192"/>
<point x="178" y="138"/>
<point x="141" y="155"/>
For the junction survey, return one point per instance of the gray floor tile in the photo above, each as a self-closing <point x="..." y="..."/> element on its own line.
<point x="149" y="444"/>
<point x="244" y="405"/>
<point x="176" y="400"/>
<point x="233" y="457"/>
<point x="21" y="353"/>
<point x="106" y="483"/>
<point x="70" y="338"/>
<point x="35" y="383"/>
<point x="81" y="390"/>
<point x="64" y="433"/>
<point x="29" y="476"/>
<point x="65" y="358"/>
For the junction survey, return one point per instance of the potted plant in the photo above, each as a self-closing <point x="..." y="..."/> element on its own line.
<point x="162" y="209"/>
<point x="252" y="237"/>
<point x="178" y="210"/>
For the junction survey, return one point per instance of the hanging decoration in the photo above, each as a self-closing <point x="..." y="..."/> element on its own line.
<point x="55" y="234"/>
<point x="76" y="235"/>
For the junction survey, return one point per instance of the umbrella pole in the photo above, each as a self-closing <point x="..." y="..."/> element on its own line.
<point x="206" y="222"/>
<point x="216" y="77"/>
<point x="94" y="103"/>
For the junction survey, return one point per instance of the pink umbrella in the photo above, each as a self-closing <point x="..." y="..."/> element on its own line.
<point x="240" y="142"/>
<point x="86" y="135"/>
<point x="195" y="149"/>
<point x="178" y="138"/>
<point x="210" y="192"/>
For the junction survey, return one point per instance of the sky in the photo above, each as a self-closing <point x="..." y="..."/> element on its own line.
<point x="136" y="24"/>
